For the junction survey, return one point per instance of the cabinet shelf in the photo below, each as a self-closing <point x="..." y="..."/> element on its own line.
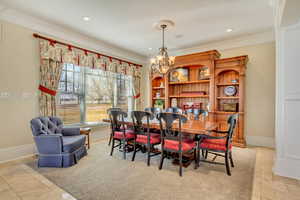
<point x="157" y="88"/>
<point x="188" y="96"/>
<point x="188" y="82"/>
<point x="235" y="97"/>
<point x="224" y="112"/>
<point x="227" y="84"/>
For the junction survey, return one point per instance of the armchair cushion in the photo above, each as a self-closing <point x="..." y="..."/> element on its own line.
<point x="214" y="144"/>
<point x="154" y="138"/>
<point x="72" y="143"/>
<point x="174" y="145"/>
<point x="129" y="134"/>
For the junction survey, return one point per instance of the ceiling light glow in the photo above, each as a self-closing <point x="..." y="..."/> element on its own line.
<point x="229" y="30"/>
<point x="86" y="18"/>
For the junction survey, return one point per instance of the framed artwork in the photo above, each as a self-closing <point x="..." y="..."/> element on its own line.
<point x="204" y="73"/>
<point x="179" y="75"/>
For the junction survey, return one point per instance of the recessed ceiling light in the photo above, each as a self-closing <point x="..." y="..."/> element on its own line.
<point x="86" y="18"/>
<point x="229" y="30"/>
<point x="150" y="48"/>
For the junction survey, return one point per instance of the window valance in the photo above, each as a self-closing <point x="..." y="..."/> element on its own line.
<point x="61" y="52"/>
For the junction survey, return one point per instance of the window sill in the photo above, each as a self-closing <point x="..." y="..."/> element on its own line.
<point x="88" y="124"/>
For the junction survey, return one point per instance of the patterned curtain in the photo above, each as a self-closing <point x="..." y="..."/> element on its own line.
<point x="50" y="72"/>
<point x="137" y="87"/>
<point x="53" y="55"/>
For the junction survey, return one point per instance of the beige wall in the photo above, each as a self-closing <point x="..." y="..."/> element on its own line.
<point x="260" y="91"/>
<point x="260" y="88"/>
<point x="19" y="75"/>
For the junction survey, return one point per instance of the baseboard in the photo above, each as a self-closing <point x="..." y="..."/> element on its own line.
<point x="261" y="141"/>
<point x="287" y="167"/>
<point x="17" y="152"/>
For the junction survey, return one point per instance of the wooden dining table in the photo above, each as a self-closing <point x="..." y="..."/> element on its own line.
<point x="193" y="127"/>
<point x="201" y="128"/>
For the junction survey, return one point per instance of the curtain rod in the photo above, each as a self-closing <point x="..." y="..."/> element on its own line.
<point x="85" y="50"/>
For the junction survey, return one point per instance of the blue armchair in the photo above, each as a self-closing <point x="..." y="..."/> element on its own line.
<point x="57" y="146"/>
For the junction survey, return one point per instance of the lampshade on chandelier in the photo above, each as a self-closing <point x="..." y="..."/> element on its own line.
<point x="162" y="62"/>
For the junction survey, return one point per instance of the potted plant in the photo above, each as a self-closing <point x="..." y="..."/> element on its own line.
<point x="159" y="104"/>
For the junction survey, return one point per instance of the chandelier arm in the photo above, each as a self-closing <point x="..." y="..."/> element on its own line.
<point x="163" y="37"/>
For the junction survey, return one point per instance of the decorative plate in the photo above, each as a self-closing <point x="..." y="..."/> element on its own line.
<point x="230" y="90"/>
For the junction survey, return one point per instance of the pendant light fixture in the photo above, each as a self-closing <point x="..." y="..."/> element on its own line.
<point x="162" y="62"/>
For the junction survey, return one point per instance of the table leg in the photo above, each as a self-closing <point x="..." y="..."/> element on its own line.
<point x="89" y="142"/>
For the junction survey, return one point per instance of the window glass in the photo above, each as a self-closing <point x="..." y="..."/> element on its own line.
<point x="70" y="95"/>
<point x="85" y="94"/>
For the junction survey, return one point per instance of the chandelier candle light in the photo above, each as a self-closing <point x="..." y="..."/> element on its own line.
<point x="162" y="62"/>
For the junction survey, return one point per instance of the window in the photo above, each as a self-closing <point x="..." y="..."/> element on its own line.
<point x="85" y="94"/>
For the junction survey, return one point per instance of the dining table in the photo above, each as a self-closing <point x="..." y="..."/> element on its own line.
<point x="191" y="126"/>
<point x="199" y="128"/>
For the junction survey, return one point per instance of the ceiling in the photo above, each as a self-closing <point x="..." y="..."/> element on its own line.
<point x="129" y="23"/>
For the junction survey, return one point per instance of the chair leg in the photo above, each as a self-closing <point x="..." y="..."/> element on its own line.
<point x="180" y="164"/>
<point x="124" y="149"/>
<point x="227" y="164"/>
<point x="231" y="160"/>
<point x="195" y="158"/>
<point x="206" y="153"/>
<point x="110" y="138"/>
<point x="198" y="157"/>
<point x="134" y="151"/>
<point x="112" y="147"/>
<point x="161" y="160"/>
<point x="148" y="155"/>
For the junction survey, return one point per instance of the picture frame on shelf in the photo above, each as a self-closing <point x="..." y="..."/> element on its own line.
<point x="179" y="75"/>
<point x="203" y="73"/>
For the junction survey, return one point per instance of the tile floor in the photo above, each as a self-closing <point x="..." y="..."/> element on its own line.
<point x="268" y="186"/>
<point x="20" y="182"/>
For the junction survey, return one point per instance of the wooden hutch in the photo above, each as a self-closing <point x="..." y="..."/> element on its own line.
<point x="206" y="92"/>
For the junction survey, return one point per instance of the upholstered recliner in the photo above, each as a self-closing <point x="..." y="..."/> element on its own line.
<point x="57" y="146"/>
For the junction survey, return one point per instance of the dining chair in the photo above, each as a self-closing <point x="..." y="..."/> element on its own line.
<point x="219" y="145"/>
<point x="144" y="138"/>
<point x="197" y="112"/>
<point x="119" y="131"/>
<point x="174" y="110"/>
<point x="108" y="111"/>
<point x="154" y="110"/>
<point x="172" y="140"/>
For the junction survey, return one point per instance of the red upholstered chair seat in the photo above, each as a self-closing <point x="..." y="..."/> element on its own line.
<point x="154" y="138"/>
<point x="215" y="144"/>
<point x="128" y="134"/>
<point x="174" y="145"/>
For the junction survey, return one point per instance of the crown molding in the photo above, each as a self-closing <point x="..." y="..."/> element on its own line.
<point x="241" y="41"/>
<point x="66" y="34"/>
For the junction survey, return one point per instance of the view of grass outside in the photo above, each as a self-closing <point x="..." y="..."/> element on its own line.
<point x="85" y="94"/>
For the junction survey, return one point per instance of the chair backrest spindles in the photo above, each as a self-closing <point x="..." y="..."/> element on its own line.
<point x="168" y="131"/>
<point x="232" y="121"/>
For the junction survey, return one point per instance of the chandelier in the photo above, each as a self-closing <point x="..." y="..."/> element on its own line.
<point x="162" y="62"/>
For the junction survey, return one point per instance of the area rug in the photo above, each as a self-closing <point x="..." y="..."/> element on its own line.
<point x="99" y="176"/>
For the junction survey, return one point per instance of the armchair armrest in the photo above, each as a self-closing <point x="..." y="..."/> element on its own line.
<point x="49" y="144"/>
<point x="69" y="131"/>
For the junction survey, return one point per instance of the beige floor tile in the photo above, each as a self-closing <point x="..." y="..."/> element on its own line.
<point x="8" y="195"/>
<point x="55" y="194"/>
<point x="3" y="185"/>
